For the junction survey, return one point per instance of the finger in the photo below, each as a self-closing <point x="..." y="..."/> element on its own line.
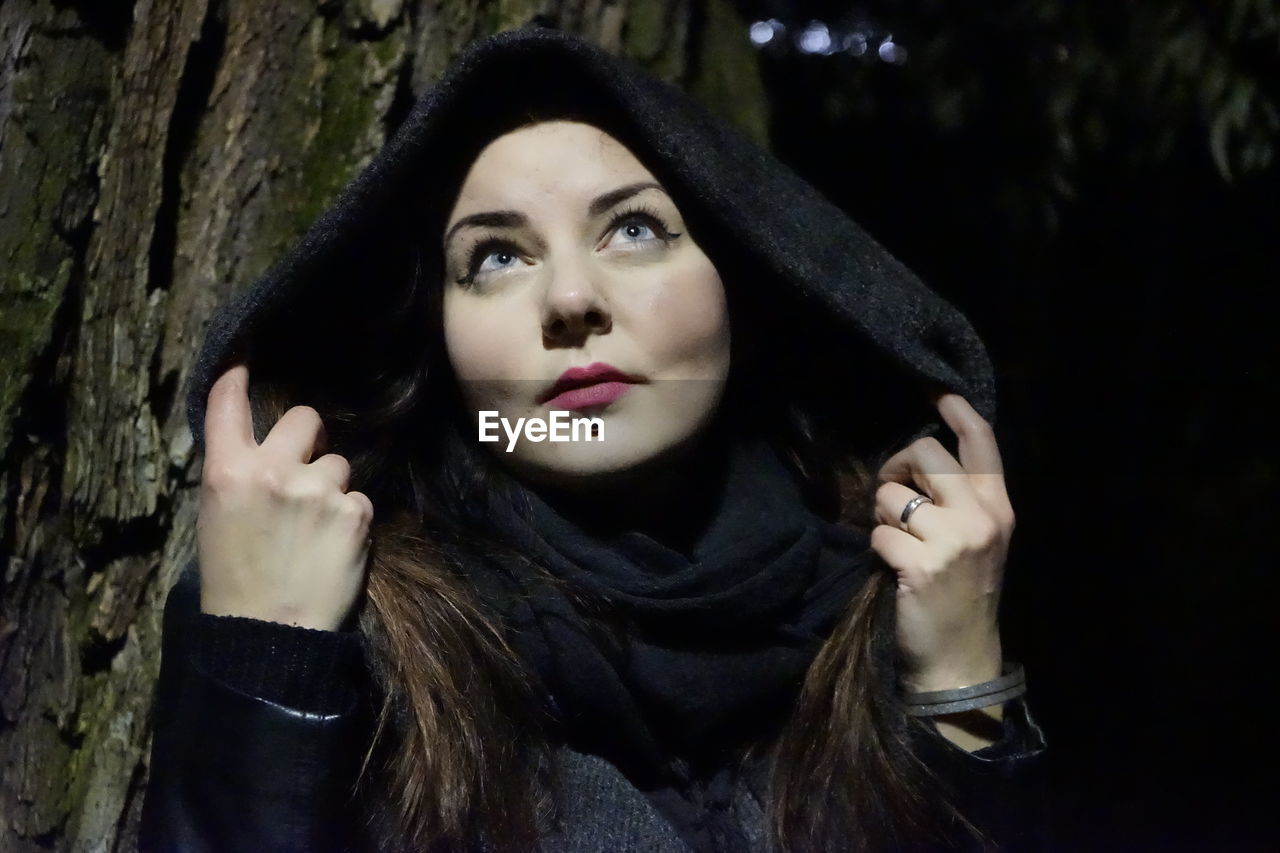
<point x="927" y="466"/>
<point x="904" y="553"/>
<point x="335" y="469"/>
<point x="926" y="520"/>
<point x="297" y="435"/>
<point x="228" y="422"/>
<point x="979" y="453"/>
<point x="363" y="500"/>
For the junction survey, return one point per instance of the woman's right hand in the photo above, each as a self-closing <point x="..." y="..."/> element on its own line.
<point x="279" y="536"/>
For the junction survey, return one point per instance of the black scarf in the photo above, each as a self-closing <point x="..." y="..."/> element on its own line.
<point x="710" y="641"/>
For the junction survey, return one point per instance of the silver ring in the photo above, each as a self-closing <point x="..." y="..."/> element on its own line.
<point x="912" y="506"/>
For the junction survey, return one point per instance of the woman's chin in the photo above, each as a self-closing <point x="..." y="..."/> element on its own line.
<point x="580" y="467"/>
<point x="587" y="465"/>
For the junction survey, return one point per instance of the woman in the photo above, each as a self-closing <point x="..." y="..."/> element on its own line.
<point x="700" y="624"/>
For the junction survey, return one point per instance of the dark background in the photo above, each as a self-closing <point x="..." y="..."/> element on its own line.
<point x="1095" y="185"/>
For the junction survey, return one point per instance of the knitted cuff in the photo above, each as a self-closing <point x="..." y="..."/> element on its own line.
<point x="301" y="668"/>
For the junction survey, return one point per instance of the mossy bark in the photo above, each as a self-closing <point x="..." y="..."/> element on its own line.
<point x="155" y="157"/>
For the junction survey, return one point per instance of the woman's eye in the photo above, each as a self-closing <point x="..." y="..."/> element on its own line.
<point x="504" y="258"/>
<point x="639" y="228"/>
<point x="632" y="228"/>
<point x="478" y="262"/>
<point x="635" y="229"/>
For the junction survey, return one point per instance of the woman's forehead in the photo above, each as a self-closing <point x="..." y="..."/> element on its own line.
<point x="562" y="148"/>
<point x="549" y="161"/>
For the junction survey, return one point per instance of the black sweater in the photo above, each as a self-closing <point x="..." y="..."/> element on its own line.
<point x="258" y="739"/>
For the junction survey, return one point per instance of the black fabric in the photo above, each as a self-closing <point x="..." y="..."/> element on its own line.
<point x="231" y="768"/>
<point x="708" y="645"/>
<point x="298" y="667"/>
<point x="207" y="789"/>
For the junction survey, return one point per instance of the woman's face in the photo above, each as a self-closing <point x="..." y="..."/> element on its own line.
<point x="562" y="252"/>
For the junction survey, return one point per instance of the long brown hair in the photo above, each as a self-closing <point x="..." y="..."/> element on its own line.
<point x="456" y="751"/>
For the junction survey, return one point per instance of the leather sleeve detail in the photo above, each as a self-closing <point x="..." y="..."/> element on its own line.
<point x="232" y="771"/>
<point x="1003" y="788"/>
<point x="244" y="773"/>
<point x="1022" y="737"/>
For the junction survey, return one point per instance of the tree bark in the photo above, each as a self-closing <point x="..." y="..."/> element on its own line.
<point x="155" y="157"/>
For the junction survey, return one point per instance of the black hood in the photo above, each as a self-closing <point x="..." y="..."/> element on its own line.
<point x="862" y="329"/>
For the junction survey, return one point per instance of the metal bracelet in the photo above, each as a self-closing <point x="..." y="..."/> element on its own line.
<point x="983" y="701"/>
<point x="1011" y="684"/>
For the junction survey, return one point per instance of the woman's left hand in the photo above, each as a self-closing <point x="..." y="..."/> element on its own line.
<point x="950" y="555"/>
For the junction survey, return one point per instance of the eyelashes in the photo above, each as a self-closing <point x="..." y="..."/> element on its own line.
<point x="485" y="246"/>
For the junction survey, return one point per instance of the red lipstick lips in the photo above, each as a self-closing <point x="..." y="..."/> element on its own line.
<point x="596" y="384"/>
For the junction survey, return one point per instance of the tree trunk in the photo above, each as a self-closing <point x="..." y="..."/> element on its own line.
<point x="155" y="157"/>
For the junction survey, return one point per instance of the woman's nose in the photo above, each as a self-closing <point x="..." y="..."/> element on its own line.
<point x="574" y="307"/>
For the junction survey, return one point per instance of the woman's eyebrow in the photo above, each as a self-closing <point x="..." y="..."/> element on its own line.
<point x="604" y="201"/>
<point x="515" y="219"/>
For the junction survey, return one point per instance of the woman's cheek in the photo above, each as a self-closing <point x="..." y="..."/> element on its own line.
<point x="477" y="340"/>
<point x="690" y="324"/>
